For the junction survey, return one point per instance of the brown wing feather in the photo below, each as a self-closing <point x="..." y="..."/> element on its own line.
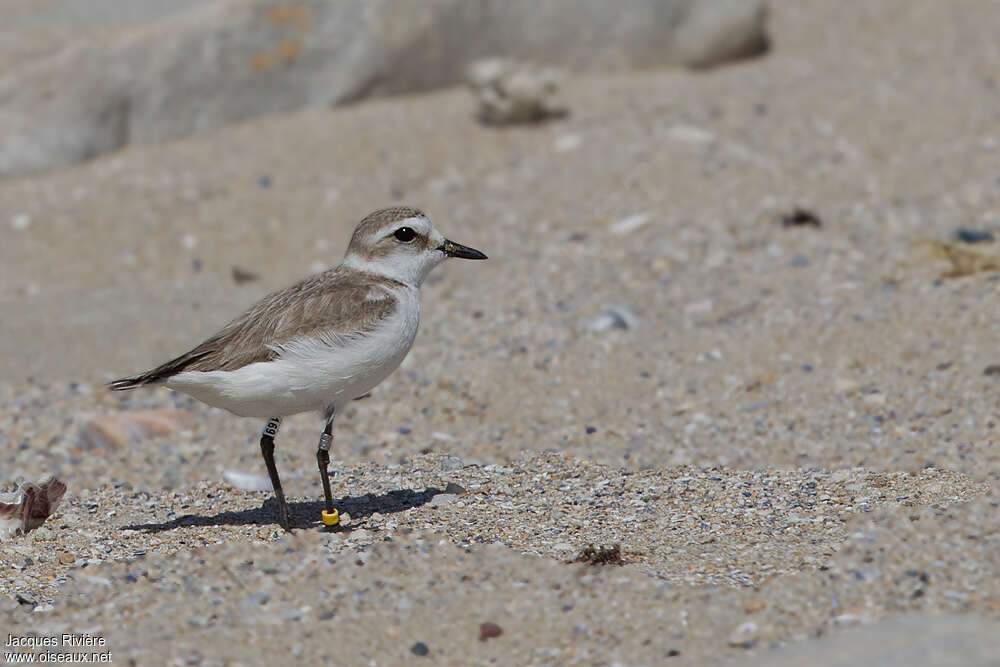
<point x="334" y="302"/>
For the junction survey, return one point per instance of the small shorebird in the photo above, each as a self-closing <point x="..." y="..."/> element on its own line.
<point x="321" y="343"/>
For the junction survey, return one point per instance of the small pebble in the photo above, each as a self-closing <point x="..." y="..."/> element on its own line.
<point x="242" y="276"/>
<point x="489" y="631"/>
<point x="630" y="224"/>
<point x="258" y="598"/>
<point x="798" y="261"/>
<point x="966" y="235"/>
<point x="568" y="142"/>
<point x="613" y="318"/>
<point x="690" y="134"/>
<point x="451" y="464"/>
<point x="744" y="636"/>
<point x="420" y="649"/>
<point x="801" y="217"/>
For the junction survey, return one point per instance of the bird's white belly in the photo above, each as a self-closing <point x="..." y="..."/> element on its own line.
<point x="309" y="373"/>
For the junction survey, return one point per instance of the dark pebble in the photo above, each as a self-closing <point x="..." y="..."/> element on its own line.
<point x="403" y="430"/>
<point x="264" y="182"/>
<point x="241" y="276"/>
<point x="992" y="369"/>
<point x="419" y="648"/>
<point x="801" y="217"/>
<point x="489" y="631"/>
<point x="966" y="235"/>
<point x="591" y="430"/>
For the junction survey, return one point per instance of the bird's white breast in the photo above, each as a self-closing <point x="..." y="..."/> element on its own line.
<point x="311" y="372"/>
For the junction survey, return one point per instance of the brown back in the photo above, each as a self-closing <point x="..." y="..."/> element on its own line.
<point x="340" y="304"/>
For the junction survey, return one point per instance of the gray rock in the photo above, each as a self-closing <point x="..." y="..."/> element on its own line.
<point x="910" y="640"/>
<point x="228" y="60"/>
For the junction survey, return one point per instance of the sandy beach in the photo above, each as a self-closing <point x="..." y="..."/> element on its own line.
<point x="787" y="423"/>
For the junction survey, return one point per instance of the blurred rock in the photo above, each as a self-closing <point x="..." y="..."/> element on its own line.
<point x="121" y="429"/>
<point x="913" y="640"/>
<point x="509" y="91"/>
<point x="228" y="60"/>
<point x="29" y="506"/>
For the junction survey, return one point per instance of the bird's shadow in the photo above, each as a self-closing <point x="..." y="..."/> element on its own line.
<point x="358" y="507"/>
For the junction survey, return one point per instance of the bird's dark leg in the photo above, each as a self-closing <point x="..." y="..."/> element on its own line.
<point x="267" y="449"/>
<point x="323" y="459"/>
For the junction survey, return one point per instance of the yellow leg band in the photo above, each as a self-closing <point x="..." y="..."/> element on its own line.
<point x="331" y="518"/>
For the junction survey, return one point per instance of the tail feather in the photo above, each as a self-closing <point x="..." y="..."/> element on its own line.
<point x="158" y="374"/>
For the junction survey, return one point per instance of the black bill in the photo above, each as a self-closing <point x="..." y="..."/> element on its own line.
<point x="453" y="249"/>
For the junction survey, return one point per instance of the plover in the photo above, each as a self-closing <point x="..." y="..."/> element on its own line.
<point x="321" y="343"/>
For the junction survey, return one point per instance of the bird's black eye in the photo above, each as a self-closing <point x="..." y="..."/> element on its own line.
<point x="405" y="234"/>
